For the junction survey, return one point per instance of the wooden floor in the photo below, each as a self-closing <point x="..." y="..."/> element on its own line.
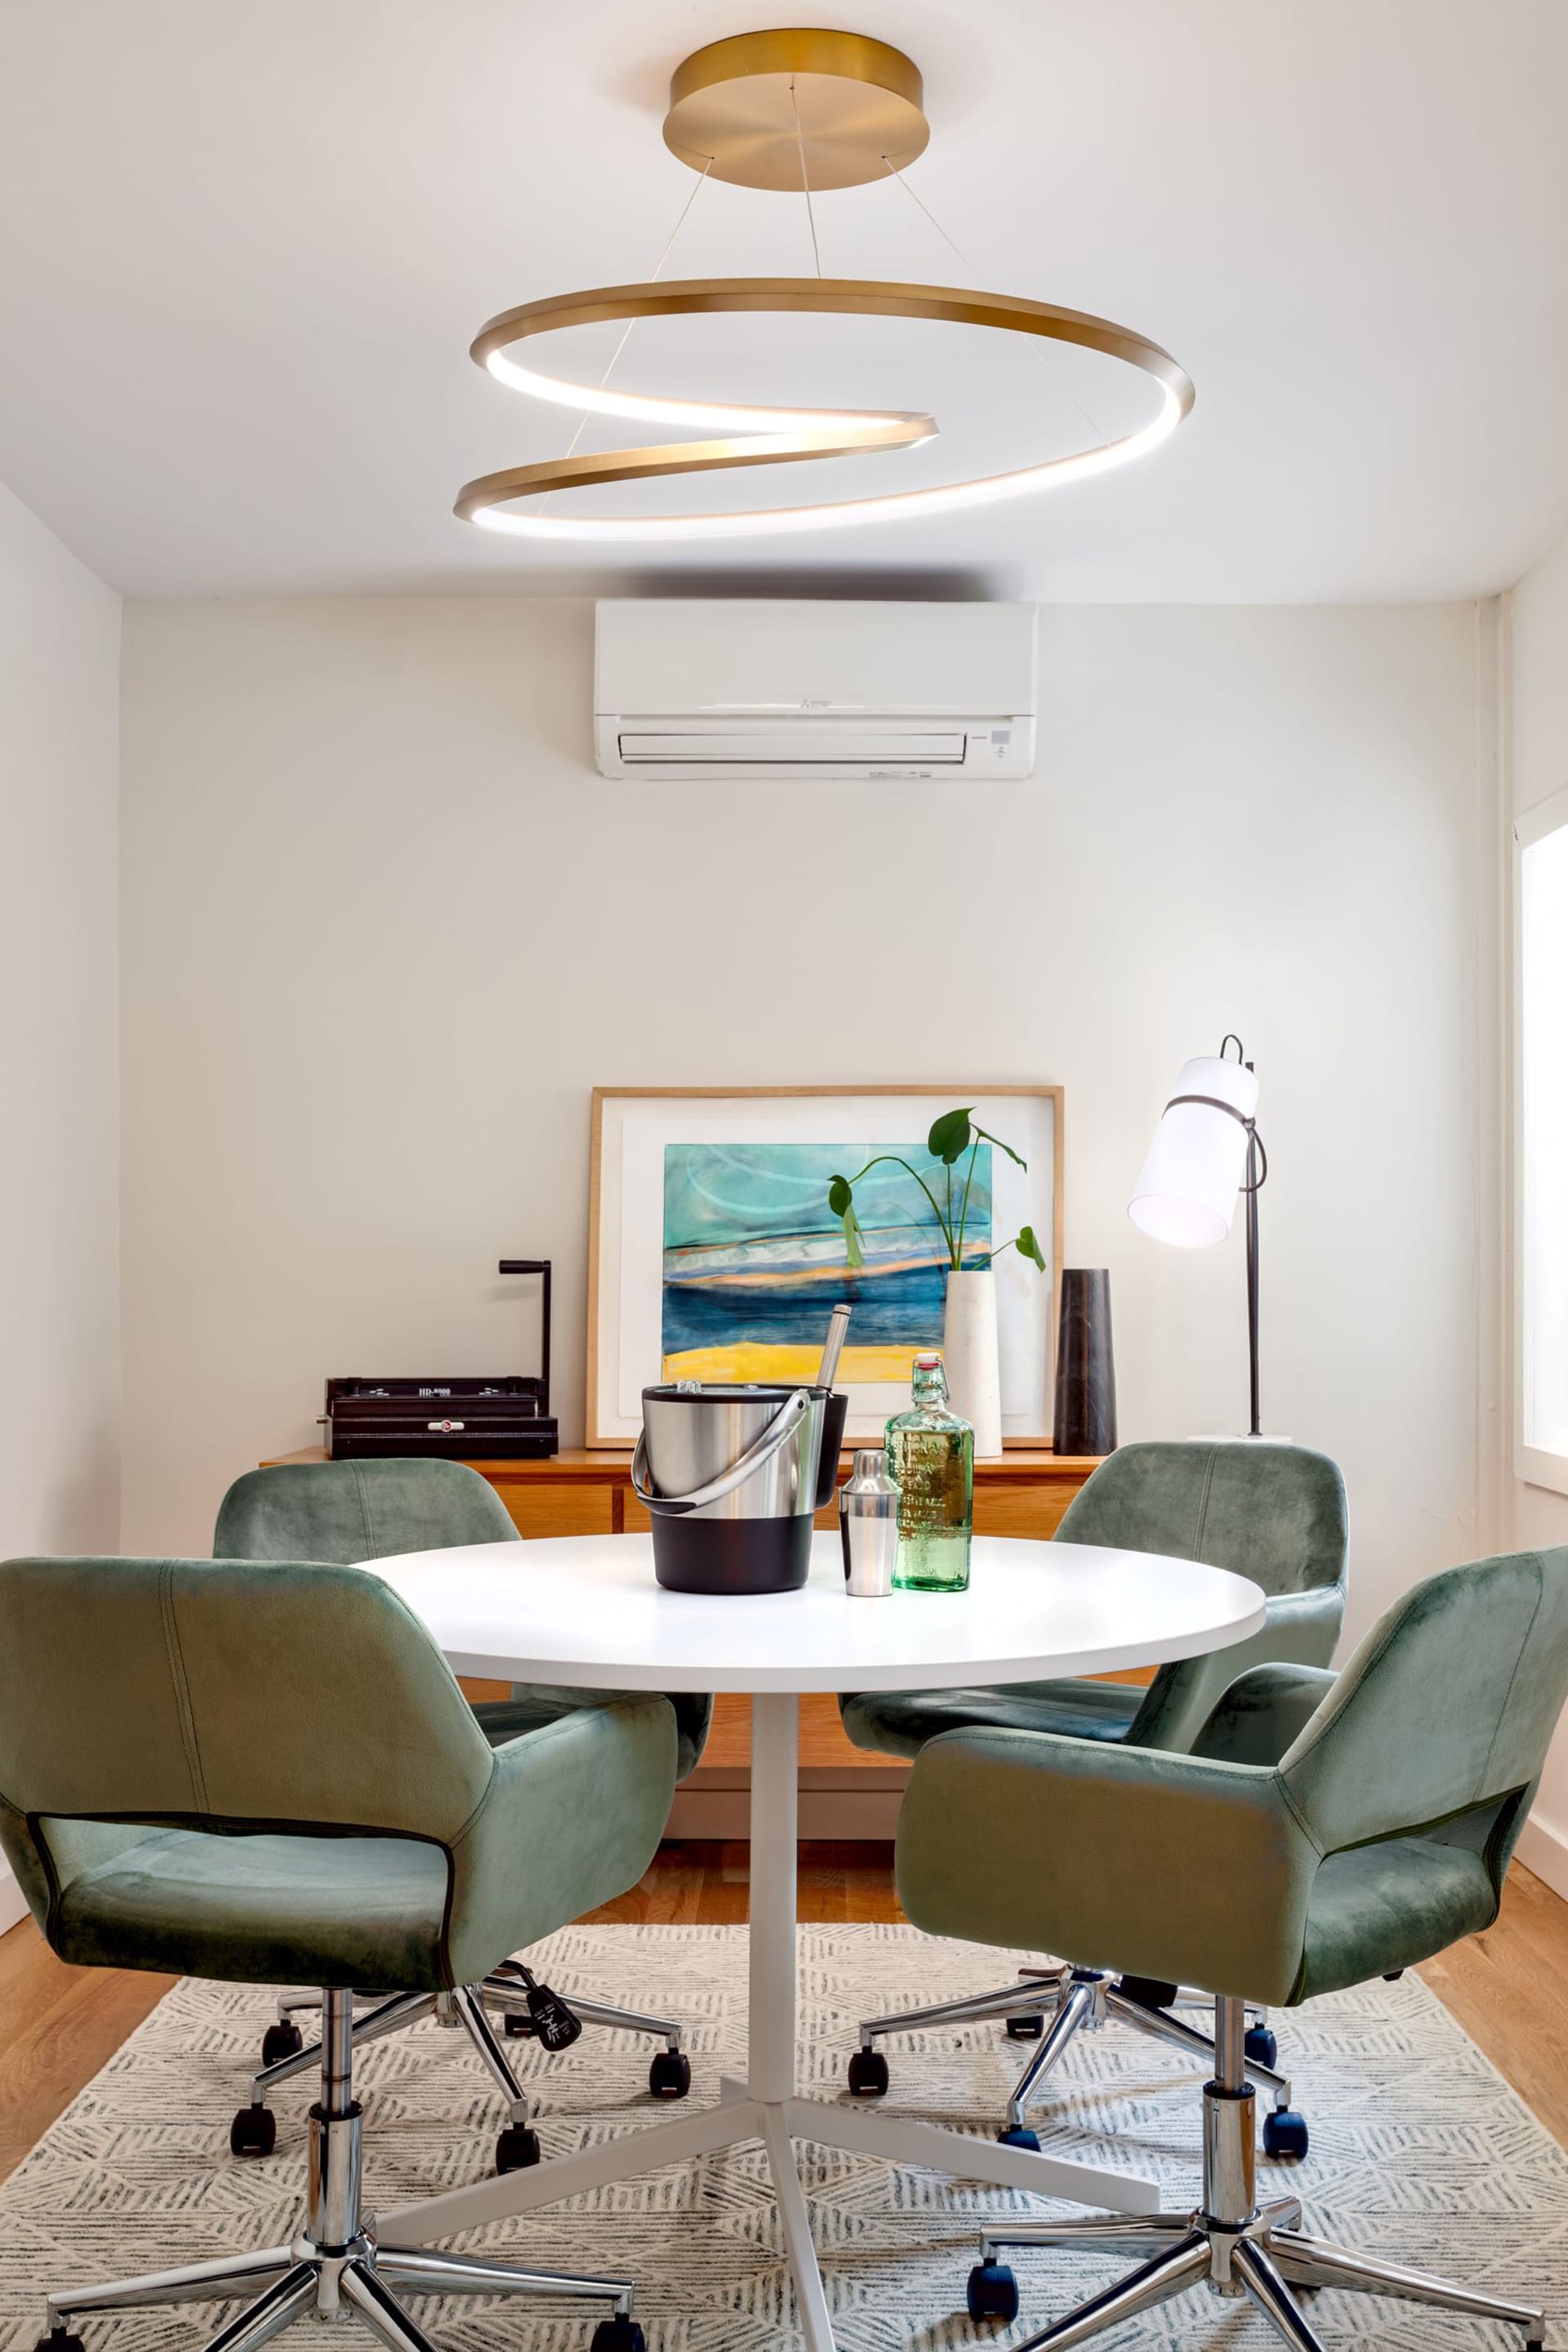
<point x="1508" y="1989"/>
<point x="62" y="2025"/>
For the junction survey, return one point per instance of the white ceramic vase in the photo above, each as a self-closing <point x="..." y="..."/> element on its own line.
<point x="969" y="1358"/>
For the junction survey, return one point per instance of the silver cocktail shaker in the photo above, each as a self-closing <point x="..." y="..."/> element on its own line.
<point x="868" y="1526"/>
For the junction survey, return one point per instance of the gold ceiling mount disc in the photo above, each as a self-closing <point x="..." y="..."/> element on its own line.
<point x="733" y="109"/>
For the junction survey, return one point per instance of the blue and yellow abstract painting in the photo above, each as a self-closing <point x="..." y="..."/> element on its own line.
<point x="754" y="1263"/>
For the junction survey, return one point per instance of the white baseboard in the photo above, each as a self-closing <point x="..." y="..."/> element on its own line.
<point x="13" y="1903"/>
<point x="1544" y="1849"/>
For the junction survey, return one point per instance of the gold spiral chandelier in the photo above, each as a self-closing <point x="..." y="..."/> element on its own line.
<point x="796" y="111"/>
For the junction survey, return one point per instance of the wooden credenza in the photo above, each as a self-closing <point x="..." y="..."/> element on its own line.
<point x="844" y="1792"/>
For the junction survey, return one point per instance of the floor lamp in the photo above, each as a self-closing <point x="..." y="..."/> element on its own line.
<point x="1207" y="1151"/>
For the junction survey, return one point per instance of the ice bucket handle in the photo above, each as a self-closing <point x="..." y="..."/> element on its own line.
<point x="673" y="1506"/>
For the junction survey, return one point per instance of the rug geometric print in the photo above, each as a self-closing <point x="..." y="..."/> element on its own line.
<point x="1419" y="2151"/>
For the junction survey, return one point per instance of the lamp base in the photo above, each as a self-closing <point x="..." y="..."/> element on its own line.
<point x="1239" y="1437"/>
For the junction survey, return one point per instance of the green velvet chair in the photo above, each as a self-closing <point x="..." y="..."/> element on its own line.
<point x="1324" y="1831"/>
<point x="266" y="1772"/>
<point x="1275" y="1513"/>
<point x="349" y="1513"/>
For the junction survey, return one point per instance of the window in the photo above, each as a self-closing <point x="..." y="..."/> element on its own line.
<point x="1541" y="903"/>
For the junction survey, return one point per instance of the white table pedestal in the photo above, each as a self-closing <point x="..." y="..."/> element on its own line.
<point x="765" y="2107"/>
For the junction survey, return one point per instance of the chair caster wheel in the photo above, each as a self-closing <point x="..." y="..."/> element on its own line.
<point x="1261" y="2046"/>
<point x="669" y="2077"/>
<point x="868" y="2074"/>
<point x="282" y="2041"/>
<point x="518" y="2028"/>
<point x="618" y="2335"/>
<point x="1393" y="1976"/>
<point x="254" y="2132"/>
<point x="992" y="2291"/>
<point x="1284" y="2134"/>
<point x="1020" y="2136"/>
<point x="517" y="2148"/>
<point x="1026" y="2029"/>
<point x="58" y="2341"/>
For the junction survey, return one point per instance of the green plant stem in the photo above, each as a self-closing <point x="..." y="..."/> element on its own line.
<point x="963" y="1218"/>
<point x="893" y="1159"/>
<point x="1016" y="1156"/>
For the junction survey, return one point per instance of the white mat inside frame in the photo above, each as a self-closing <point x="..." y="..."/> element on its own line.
<point x="1418" y="2148"/>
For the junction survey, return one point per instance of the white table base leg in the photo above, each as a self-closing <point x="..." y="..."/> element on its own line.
<point x="810" y="2300"/>
<point x="623" y="2157"/>
<point x="765" y="2107"/>
<point x="904" y="2140"/>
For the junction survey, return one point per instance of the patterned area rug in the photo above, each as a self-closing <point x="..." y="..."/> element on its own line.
<point x="1419" y="2150"/>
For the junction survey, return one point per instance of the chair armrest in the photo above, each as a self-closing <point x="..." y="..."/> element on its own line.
<point x="1168" y="1865"/>
<point x="1298" y="1628"/>
<point x="1306" y="1627"/>
<point x="1255" y="1721"/>
<point x="1303" y="1627"/>
<point x="573" y="1816"/>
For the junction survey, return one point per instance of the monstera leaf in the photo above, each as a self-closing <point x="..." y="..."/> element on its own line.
<point x="1030" y="1248"/>
<point x="949" y="1139"/>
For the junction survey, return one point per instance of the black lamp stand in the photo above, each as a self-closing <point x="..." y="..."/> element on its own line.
<point x="1255" y="1164"/>
<point x="1257" y="1177"/>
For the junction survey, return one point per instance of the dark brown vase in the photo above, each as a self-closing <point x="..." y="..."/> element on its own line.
<point x="1085" y="1371"/>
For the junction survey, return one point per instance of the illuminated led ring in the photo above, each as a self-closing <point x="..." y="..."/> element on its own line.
<point x="763" y="436"/>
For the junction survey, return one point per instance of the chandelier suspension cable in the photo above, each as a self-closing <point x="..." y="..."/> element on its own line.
<point x="925" y="208"/>
<point x="805" y="181"/>
<point x="571" y="448"/>
<point x="1093" y="423"/>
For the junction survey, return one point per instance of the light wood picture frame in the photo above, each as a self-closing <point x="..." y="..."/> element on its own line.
<point x="666" y="1162"/>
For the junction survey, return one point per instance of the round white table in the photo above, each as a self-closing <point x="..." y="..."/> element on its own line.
<point x="585" y="1609"/>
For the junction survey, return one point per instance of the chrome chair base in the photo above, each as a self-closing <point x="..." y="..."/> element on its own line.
<point x="1231" y="2245"/>
<point x="503" y="1990"/>
<point x="254" y="2129"/>
<point x="336" y="2265"/>
<point x="1075" y="2000"/>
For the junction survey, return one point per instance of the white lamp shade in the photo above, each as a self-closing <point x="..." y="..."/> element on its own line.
<point x="1186" y="1192"/>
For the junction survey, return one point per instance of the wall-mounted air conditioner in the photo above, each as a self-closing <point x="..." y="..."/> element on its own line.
<point x="785" y="691"/>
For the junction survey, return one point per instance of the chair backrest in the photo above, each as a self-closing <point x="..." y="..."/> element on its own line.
<point x="1275" y="1513"/>
<point x="1447" y="1706"/>
<point x="355" y="1511"/>
<point x="1272" y="1512"/>
<point x="358" y="1511"/>
<point x="225" y="1695"/>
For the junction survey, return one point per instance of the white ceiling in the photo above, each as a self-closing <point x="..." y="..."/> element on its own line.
<point x="246" y="243"/>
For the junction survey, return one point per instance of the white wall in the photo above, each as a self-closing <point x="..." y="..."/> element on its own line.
<point x="385" y="928"/>
<point x="60" y="1212"/>
<point x="1539" y="766"/>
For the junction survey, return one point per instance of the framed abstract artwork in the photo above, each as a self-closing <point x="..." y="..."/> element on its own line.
<point x="714" y="1254"/>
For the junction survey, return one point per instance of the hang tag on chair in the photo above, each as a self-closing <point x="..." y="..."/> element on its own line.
<point x="555" y="2024"/>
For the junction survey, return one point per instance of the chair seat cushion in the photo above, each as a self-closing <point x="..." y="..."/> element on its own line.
<point x="532" y="1705"/>
<point x="899" y="1723"/>
<point x="1376" y="1908"/>
<point x="361" y="1912"/>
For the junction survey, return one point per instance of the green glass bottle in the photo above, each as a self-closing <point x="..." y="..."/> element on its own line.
<point x="930" y="1455"/>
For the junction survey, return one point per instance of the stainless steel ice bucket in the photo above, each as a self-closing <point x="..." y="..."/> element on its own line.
<point x="730" y="1476"/>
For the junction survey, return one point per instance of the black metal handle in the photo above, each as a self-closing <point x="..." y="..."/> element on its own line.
<point x="536" y="1265"/>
